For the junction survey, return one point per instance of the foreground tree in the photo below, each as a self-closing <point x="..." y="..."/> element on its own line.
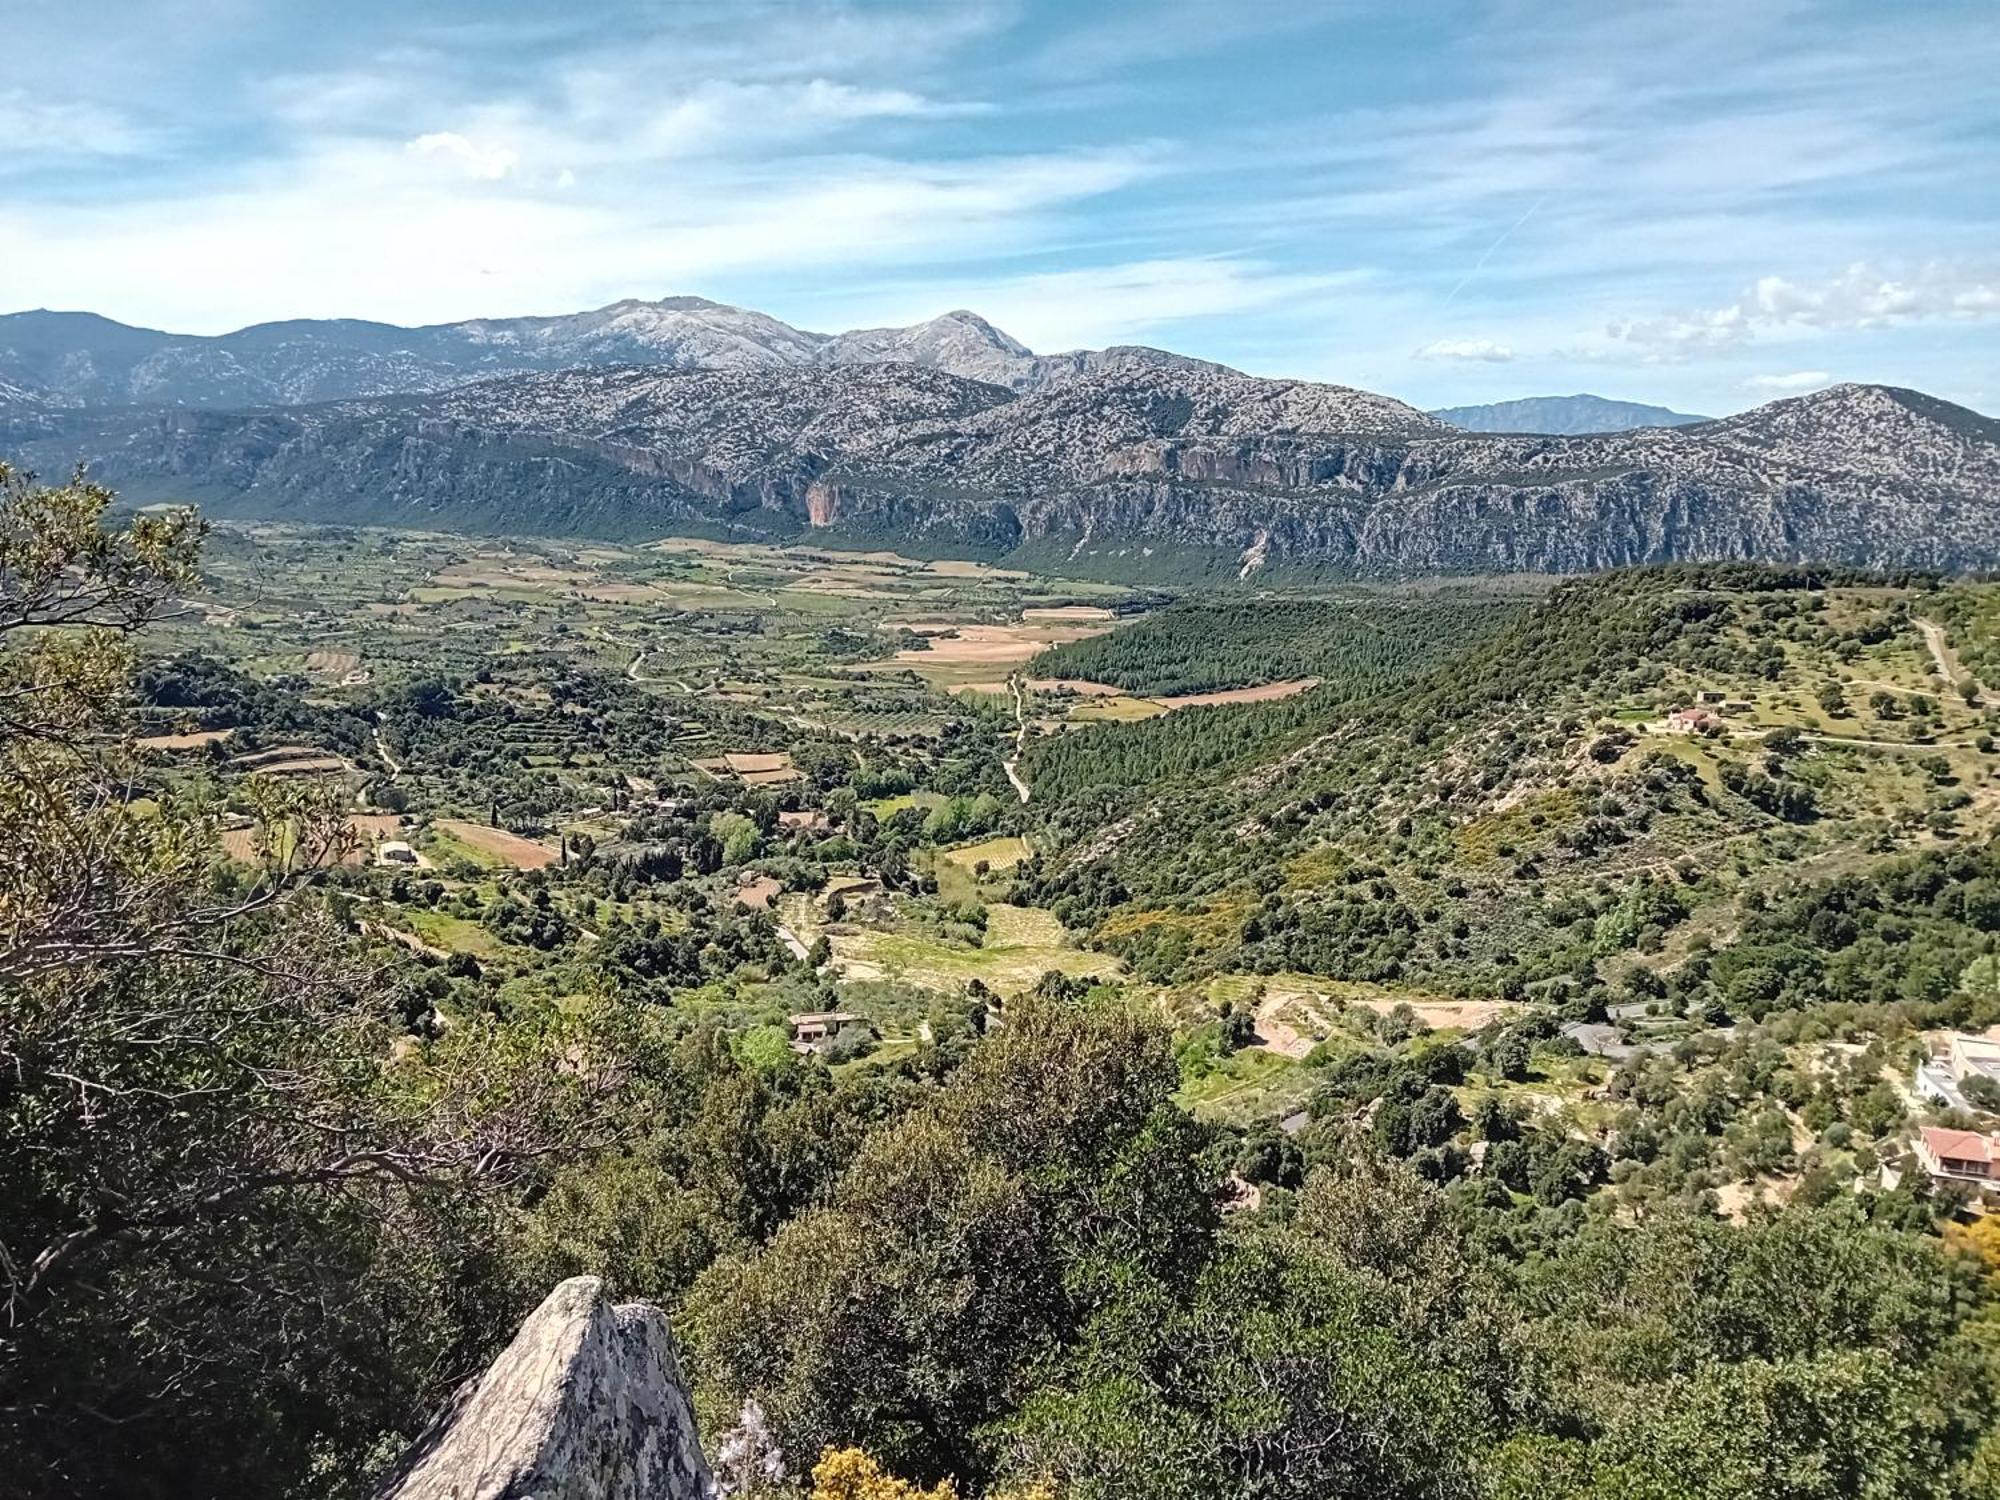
<point x="232" y="1194"/>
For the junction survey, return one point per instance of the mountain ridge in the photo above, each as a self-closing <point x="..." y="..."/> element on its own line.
<point x="1126" y="469"/>
<point x="1563" y="416"/>
<point x="83" y="359"/>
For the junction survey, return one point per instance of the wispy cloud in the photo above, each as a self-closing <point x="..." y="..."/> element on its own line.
<point x="1118" y="303"/>
<point x="35" y="128"/>
<point x="1481" y="350"/>
<point x="1786" y="385"/>
<point x="373" y="230"/>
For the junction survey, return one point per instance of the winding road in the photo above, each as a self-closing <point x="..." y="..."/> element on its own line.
<point x="382" y="749"/>
<point x="1011" y="767"/>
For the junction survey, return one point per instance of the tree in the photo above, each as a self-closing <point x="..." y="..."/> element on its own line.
<point x="1510" y="1056"/>
<point x="215" y="1153"/>
<point x="963" y="1241"/>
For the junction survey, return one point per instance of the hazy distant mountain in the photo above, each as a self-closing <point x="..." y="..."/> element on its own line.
<point x="80" y="359"/>
<point x="1124" y="469"/>
<point x="1562" y="415"/>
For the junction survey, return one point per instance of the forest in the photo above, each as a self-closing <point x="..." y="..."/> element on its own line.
<point x="1202" y="644"/>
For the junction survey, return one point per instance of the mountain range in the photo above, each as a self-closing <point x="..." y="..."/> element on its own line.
<point x="950" y="438"/>
<point x="1564" y="416"/>
<point x="81" y="359"/>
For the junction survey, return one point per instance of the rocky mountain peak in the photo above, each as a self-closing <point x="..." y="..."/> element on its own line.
<point x="1885" y="431"/>
<point x="960" y="342"/>
<point x="964" y="320"/>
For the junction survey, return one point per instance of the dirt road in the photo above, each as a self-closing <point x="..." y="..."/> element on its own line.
<point x="382" y="749"/>
<point x="1011" y="767"/>
<point x="792" y="944"/>
<point x="1947" y="662"/>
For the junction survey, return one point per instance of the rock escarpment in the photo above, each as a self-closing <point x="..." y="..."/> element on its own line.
<point x="1125" y="470"/>
<point x="587" y="1403"/>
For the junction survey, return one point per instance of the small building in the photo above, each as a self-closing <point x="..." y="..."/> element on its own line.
<point x="1956" y="1059"/>
<point x="813" y="1029"/>
<point x="1692" y="721"/>
<point x="395" y="852"/>
<point x="1958" y="1156"/>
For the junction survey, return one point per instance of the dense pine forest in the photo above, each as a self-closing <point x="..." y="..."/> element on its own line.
<point x="1204" y="644"/>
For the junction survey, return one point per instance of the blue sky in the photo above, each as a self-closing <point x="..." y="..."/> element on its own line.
<point x="1705" y="204"/>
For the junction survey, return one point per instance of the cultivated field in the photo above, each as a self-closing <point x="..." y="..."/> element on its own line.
<point x="497" y="845"/>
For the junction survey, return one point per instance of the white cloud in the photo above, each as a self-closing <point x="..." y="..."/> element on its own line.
<point x="1475" y="350"/>
<point x="481" y="163"/>
<point x="1780" y="385"/>
<point x="1862" y="296"/>
<point x="369" y="230"/>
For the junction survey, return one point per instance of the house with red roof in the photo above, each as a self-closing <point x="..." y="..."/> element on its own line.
<point x="1959" y="1156"/>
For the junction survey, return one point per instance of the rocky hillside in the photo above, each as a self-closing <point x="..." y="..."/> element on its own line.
<point x="1127" y="469"/>
<point x="80" y="359"/>
<point x="1563" y="416"/>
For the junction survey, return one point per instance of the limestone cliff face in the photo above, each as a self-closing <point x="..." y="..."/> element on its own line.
<point x="1116" y="463"/>
<point x="587" y="1403"/>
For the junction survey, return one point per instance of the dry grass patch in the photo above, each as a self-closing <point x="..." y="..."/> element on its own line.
<point x="507" y="848"/>
<point x="742" y="763"/>
<point x="1068" y="612"/>
<point x="758" y="894"/>
<point x="193" y="740"/>
<point x="998" y="853"/>
<point x="1263" y="693"/>
<point x="1116" y="711"/>
<point x="1021" y="945"/>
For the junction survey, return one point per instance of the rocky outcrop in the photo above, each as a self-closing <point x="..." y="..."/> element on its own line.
<point x="587" y="1403"/>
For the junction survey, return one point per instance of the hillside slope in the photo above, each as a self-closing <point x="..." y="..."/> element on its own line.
<point x="1501" y="821"/>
